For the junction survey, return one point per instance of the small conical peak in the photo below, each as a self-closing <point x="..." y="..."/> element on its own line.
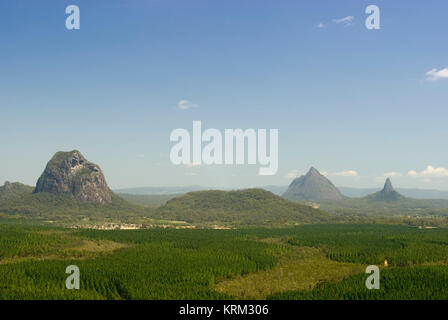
<point x="387" y="194"/>
<point x="388" y="186"/>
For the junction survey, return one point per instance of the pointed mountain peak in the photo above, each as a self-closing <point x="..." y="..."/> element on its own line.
<point x="387" y="194"/>
<point x="313" y="171"/>
<point x="388" y="188"/>
<point x="312" y="186"/>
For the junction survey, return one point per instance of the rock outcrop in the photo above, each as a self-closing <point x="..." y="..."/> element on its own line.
<point x="71" y="173"/>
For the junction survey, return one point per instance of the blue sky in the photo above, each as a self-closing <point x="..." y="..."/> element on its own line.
<point x="355" y="103"/>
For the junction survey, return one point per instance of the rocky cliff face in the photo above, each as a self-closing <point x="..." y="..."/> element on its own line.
<point x="388" y="188"/>
<point x="71" y="173"/>
<point x="312" y="186"/>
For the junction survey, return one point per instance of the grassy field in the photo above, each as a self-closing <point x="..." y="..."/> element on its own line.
<point x="299" y="268"/>
<point x="304" y="262"/>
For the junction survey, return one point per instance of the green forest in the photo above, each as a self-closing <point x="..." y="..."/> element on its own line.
<point x="259" y="263"/>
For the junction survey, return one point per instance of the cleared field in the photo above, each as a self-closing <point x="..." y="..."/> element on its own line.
<point x="300" y="268"/>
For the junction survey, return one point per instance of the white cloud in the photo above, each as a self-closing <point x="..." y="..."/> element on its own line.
<point x="392" y="174"/>
<point x="324" y="173"/>
<point x="412" y="173"/>
<point x="347" y="21"/>
<point x="346" y="173"/>
<point x="320" y="25"/>
<point x="429" y="172"/>
<point x="185" y="105"/>
<point x="292" y="174"/>
<point x="434" y="74"/>
<point x="140" y="155"/>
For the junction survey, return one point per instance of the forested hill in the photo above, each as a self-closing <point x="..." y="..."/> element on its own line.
<point x="241" y="207"/>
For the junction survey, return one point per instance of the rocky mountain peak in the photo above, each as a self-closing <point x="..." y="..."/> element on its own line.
<point x="312" y="186"/>
<point x="388" y="188"/>
<point x="313" y="172"/>
<point x="388" y="193"/>
<point x="71" y="173"/>
<point x="8" y="185"/>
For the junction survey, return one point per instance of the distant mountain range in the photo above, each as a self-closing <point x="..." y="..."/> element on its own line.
<point x="407" y="192"/>
<point x="387" y="202"/>
<point x="160" y="190"/>
<point x="349" y="192"/>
